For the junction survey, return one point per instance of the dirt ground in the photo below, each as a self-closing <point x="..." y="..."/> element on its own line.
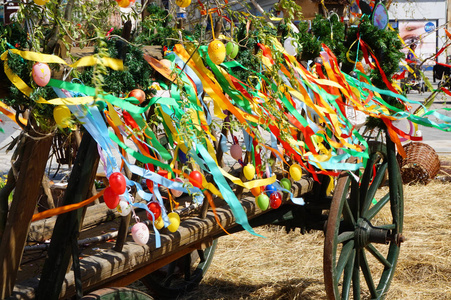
<point x="289" y="266"/>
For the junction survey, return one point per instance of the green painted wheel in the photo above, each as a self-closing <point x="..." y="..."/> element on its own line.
<point x="364" y="229"/>
<point x="117" y="294"/>
<point x="181" y="275"/>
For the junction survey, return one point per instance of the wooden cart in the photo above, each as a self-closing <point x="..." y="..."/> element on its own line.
<point x="362" y="225"/>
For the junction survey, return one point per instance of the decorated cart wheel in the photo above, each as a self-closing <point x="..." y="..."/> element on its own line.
<point x="364" y="229"/>
<point x="117" y="293"/>
<point x="182" y="275"/>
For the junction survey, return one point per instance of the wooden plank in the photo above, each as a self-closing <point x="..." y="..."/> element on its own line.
<point x="34" y="159"/>
<point x="113" y="267"/>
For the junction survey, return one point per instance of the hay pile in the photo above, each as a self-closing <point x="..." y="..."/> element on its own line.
<point x="289" y="266"/>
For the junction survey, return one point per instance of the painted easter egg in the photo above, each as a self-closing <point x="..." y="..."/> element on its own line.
<point x="62" y="116"/>
<point x="295" y="172"/>
<point x="275" y="200"/>
<point x="249" y="171"/>
<point x="140" y="233"/>
<point x="117" y="183"/>
<point x="217" y="52"/>
<point x="177" y="193"/>
<point x="124" y="207"/>
<point x="155" y="208"/>
<point x="110" y="198"/>
<point x="195" y="178"/>
<point x="236" y="152"/>
<point x="174" y="220"/>
<point x="262" y="201"/>
<point x="41" y="73"/>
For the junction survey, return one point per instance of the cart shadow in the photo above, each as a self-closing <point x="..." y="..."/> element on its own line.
<point x="290" y="290"/>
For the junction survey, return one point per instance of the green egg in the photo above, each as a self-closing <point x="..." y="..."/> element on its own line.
<point x="229" y="48"/>
<point x="234" y="52"/>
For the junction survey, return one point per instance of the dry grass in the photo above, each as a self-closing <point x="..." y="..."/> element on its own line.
<point x="289" y="266"/>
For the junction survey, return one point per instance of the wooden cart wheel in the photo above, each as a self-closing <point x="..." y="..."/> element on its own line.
<point x="117" y="294"/>
<point x="364" y="230"/>
<point x="181" y="275"/>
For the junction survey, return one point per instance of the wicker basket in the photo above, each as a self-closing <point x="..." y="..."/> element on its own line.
<point x="420" y="165"/>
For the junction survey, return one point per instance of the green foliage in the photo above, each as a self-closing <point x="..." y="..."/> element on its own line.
<point x="137" y="74"/>
<point x="331" y="32"/>
<point x="156" y="28"/>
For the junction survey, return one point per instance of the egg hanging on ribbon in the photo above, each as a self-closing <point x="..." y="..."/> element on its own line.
<point x="177" y="193"/>
<point x="256" y="191"/>
<point x="262" y="201"/>
<point x="195" y="178"/>
<point x="124" y="208"/>
<point x="62" y="116"/>
<point x="295" y="172"/>
<point x="269" y="189"/>
<point x="117" y="183"/>
<point x="155" y="208"/>
<point x="159" y="223"/>
<point x="138" y="94"/>
<point x="41" y="73"/>
<point x="275" y="200"/>
<point x="183" y="3"/>
<point x="41" y="2"/>
<point x="140" y="234"/>
<point x="110" y="198"/>
<point x="249" y="171"/>
<point x="217" y="52"/>
<point x="236" y="152"/>
<point x="174" y="220"/>
<point x="285" y="183"/>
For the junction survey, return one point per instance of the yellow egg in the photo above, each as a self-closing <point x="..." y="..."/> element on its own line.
<point x="159" y="223"/>
<point x="183" y="3"/>
<point x="41" y="2"/>
<point x="217" y="52"/>
<point x="61" y="114"/>
<point x="249" y="171"/>
<point x="174" y="220"/>
<point x="296" y="172"/>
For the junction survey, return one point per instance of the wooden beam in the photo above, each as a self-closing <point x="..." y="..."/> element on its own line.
<point x="34" y="159"/>
<point x="68" y="225"/>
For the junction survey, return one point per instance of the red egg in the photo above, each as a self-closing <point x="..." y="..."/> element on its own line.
<point x="149" y="184"/>
<point x="155" y="208"/>
<point x="195" y="178"/>
<point x="117" y="183"/>
<point x="111" y="198"/>
<point x="275" y="200"/>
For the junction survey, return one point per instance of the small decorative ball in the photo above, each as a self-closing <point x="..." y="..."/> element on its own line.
<point x="117" y="183"/>
<point x="275" y="200"/>
<point x="217" y="52"/>
<point x="41" y="73"/>
<point x="236" y="152"/>
<point x="296" y="172"/>
<point x="249" y="171"/>
<point x="62" y="116"/>
<point x="263" y="201"/>
<point x="140" y="234"/>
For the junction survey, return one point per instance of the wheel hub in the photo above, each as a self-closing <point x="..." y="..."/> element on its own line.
<point x="365" y="233"/>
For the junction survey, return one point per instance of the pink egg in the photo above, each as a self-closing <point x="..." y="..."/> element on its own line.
<point x="140" y="234"/>
<point x="236" y="152"/>
<point x="41" y="73"/>
<point x="177" y="193"/>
